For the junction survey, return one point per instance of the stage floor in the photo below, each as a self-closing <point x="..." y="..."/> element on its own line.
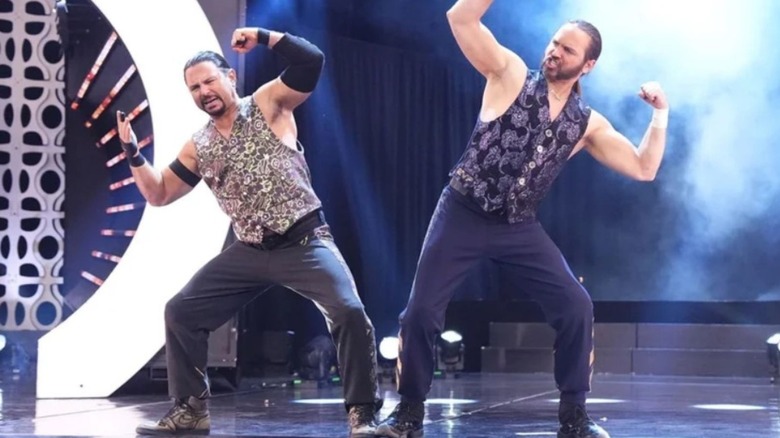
<point x="473" y="405"/>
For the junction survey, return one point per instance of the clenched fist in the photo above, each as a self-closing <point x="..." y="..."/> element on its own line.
<point x="652" y="93"/>
<point x="244" y="39"/>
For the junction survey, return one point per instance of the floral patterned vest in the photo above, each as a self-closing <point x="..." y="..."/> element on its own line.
<point x="261" y="183"/>
<point x="511" y="162"/>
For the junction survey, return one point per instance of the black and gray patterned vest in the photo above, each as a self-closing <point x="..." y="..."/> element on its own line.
<point x="510" y="163"/>
<point x="258" y="181"/>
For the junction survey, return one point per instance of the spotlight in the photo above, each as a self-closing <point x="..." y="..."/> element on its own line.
<point x="388" y="356"/>
<point x="388" y="348"/>
<point x="450" y="351"/>
<point x="773" y="354"/>
<point x="2" y="342"/>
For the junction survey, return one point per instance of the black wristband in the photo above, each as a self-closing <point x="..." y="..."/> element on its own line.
<point x="136" y="160"/>
<point x="263" y="36"/>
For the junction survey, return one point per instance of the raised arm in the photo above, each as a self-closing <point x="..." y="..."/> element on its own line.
<point x="298" y="80"/>
<point x="477" y="43"/>
<point x="616" y="152"/>
<point x="159" y="187"/>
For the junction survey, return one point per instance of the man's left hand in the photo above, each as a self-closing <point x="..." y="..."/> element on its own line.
<point x="653" y="94"/>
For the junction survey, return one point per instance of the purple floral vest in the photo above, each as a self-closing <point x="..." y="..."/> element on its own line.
<point x="510" y="163"/>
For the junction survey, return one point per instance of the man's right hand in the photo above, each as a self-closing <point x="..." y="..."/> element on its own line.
<point x="244" y="39"/>
<point x="126" y="135"/>
<point x="128" y="140"/>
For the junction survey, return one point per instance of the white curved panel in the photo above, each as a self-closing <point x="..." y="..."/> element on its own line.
<point x="120" y="328"/>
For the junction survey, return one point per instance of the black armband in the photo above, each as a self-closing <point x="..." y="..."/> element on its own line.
<point x="184" y="173"/>
<point x="263" y="36"/>
<point x="306" y="62"/>
<point x="136" y="160"/>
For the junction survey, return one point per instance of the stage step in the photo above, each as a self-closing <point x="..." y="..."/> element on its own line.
<point x="646" y="349"/>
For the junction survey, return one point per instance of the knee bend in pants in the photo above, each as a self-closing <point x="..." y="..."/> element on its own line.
<point x="351" y="315"/>
<point x="420" y="317"/>
<point x="579" y="306"/>
<point x="175" y="312"/>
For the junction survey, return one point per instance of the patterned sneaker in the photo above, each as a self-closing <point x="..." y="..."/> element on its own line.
<point x="187" y="417"/>
<point x="406" y="421"/>
<point x="575" y="423"/>
<point x="362" y="421"/>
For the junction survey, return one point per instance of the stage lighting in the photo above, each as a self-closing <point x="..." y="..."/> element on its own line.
<point x="388" y="355"/>
<point x="450" y="351"/>
<point x="773" y="354"/>
<point x="388" y="348"/>
<point x="2" y="342"/>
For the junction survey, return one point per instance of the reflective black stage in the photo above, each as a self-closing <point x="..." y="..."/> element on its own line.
<point x="473" y="405"/>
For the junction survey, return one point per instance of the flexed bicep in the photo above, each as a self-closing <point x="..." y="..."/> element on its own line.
<point x="298" y="80"/>
<point x="612" y="149"/>
<point x="477" y="42"/>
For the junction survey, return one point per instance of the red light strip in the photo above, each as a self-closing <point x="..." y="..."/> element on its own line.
<point x="123" y="183"/>
<point x="106" y="256"/>
<point x="98" y="281"/>
<point x="93" y="72"/>
<point x="125" y="207"/>
<point x="111" y="95"/>
<point x="117" y="233"/>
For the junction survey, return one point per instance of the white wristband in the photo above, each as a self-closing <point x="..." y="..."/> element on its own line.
<point x="660" y="118"/>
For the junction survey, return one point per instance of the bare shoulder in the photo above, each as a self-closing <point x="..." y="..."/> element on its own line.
<point x="596" y="123"/>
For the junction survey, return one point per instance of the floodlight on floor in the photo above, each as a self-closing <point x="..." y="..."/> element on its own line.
<point x="388" y="356"/>
<point x="450" y="351"/>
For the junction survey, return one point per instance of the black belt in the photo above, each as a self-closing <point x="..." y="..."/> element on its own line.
<point x="297" y="232"/>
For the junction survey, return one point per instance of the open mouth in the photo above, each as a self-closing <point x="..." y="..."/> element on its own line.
<point x="209" y="101"/>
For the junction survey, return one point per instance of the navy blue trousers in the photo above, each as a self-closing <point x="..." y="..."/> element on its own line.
<point x="459" y="236"/>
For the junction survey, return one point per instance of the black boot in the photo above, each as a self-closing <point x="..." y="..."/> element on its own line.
<point x="188" y="416"/>
<point x="362" y="420"/>
<point x="575" y="423"/>
<point x="406" y="421"/>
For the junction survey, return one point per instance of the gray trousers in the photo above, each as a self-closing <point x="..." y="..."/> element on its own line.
<point x="313" y="268"/>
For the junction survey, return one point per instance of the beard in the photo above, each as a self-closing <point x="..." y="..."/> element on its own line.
<point x="213" y="106"/>
<point x="556" y="73"/>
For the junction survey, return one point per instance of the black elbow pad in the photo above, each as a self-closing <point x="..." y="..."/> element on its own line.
<point x="306" y="62"/>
